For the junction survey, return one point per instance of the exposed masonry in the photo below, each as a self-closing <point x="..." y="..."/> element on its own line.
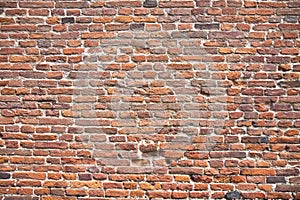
<point x="149" y="99"/>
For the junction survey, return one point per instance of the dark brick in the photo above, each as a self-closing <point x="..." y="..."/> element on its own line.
<point x="296" y="68"/>
<point x="65" y="20"/>
<point x="137" y="27"/>
<point x="207" y="26"/>
<point x="233" y="195"/>
<point x="150" y="3"/>
<point x="289" y="84"/>
<point x="287" y="172"/>
<point x="4" y="175"/>
<point x="276" y="179"/>
<point x="43" y="43"/>
<point x="254" y="139"/>
<point x="85" y="177"/>
<point x="287" y="188"/>
<point x="57" y="191"/>
<point x="291" y="19"/>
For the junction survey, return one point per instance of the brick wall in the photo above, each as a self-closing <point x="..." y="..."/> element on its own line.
<point x="174" y="99"/>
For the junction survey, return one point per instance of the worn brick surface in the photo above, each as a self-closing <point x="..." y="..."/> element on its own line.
<point x="153" y="99"/>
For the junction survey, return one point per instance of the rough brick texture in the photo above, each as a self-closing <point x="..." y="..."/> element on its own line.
<point x="154" y="99"/>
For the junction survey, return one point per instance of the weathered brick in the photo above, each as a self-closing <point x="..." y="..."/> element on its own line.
<point x="259" y="171"/>
<point x="67" y="20"/>
<point x="4" y="175"/>
<point x="287" y="172"/>
<point x="138" y="87"/>
<point x="181" y="4"/>
<point x="29" y="175"/>
<point x="29" y="28"/>
<point x="70" y="4"/>
<point x="207" y="26"/>
<point x="150" y="3"/>
<point x="43" y="4"/>
<point x="276" y="179"/>
<point x="137" y="26"/>
<point x="116" y="193"/>
<point x="287" y="188"/>
<point x="159" y="194"/>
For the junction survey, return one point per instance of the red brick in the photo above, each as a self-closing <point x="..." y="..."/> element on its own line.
<point x="116" y="193"/>
<point x="194" y="194"/>
<point x="159" y="194"/>
<point x="124" y="4"/>
<point x="89" y="108"/>
<point x="182" y="4"/>
<point x="29" y="175"/>
<point x="179" y="195"/>
<point x="55" y="145"/>
<point x="254" y="172"/>
<point x="279" y="195"/>
<point x="44" y="4"/>
<point x="29" y="28"/>
<point x="15" y="12"/>
<point x="97" y="35"/>
<point x="253" y="195"/>
<point x="7" y="20"/>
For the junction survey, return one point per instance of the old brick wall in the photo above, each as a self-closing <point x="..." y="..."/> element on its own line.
<point x="167" y="99"/>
